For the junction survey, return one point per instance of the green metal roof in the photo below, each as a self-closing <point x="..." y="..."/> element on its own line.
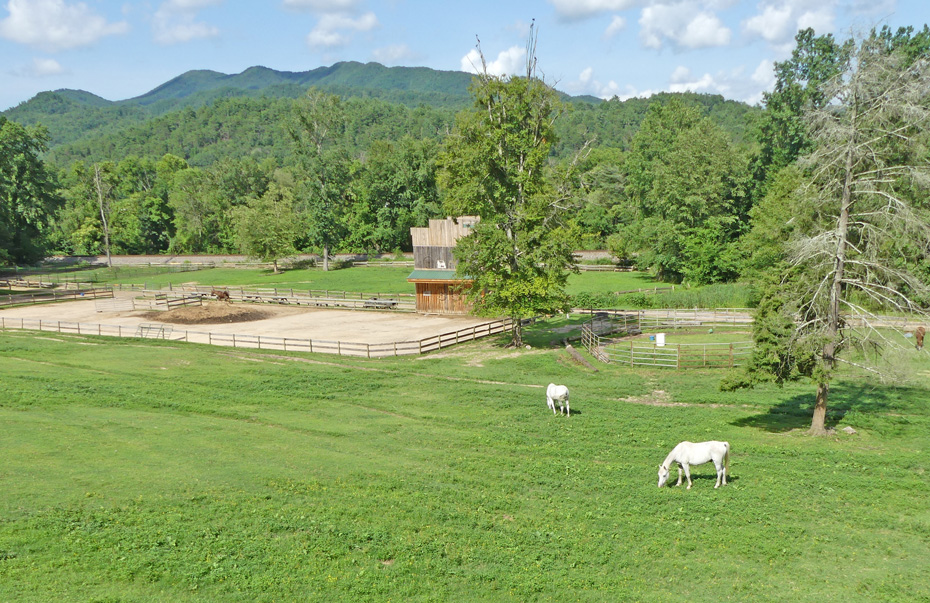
<point x="422" y="274"/>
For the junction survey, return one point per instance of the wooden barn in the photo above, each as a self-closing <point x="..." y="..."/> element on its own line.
<point x="438" y="289"/>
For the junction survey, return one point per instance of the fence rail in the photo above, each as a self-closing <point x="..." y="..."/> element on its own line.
<point x="682" y="355"/>
<point x="264" y="342"/>
<point x="617" y="323"/>
<point x="53" y="296"/>
<point x="324" y="298"/>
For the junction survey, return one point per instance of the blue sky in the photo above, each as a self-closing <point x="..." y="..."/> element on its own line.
<point x="119" y="49"/>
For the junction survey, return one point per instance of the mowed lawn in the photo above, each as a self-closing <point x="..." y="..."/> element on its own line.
<point x="136" y="470"/>
<point x="366" y="279"/>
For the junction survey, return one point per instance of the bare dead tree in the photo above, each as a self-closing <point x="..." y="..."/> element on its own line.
<point x="866" y="177"/>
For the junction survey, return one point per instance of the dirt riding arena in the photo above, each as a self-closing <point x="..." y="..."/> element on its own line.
<point x="221" y="318"/>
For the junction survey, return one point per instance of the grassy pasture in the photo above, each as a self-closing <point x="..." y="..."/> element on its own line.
<point x="373" y="279"/>
<point x="149" y="471"/>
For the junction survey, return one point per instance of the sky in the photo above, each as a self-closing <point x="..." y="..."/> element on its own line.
<point x="120" y="49"/>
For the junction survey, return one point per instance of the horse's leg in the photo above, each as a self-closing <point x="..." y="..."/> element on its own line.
<point x="679" y="475"/>
<point x="719" y="468"/>
<point x="551" y="404"/>
<point x="687" y="468"/>
<point x="568" y="409"/>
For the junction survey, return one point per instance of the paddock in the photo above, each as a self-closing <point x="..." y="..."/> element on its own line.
<point x="371" y="327"/>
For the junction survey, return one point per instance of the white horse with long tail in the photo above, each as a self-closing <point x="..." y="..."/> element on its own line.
<point x="690" y="453"/>
<point x="558" y="393"/>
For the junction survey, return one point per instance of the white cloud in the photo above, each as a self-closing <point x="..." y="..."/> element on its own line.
<point x="396" y="53"/>
<point x="323" y="6"/>
<point x="588" y="84"/>
<point x="616" y="26"/>
<point x="820" y="20"/>
<point x="774" y="24"/>
<point x="54" y="25"/>
<point x="175" y="21"/>
<point x="189" y="4"/>
<point x="329" y="29"/>
<point x="685" y="24"/>
<point x="764" y="75"/>
<point x="582" y="9"/>
<point x="778" y="21"/>
<point x="509" y="62"/>
<point x="681" y="80"/>
<point x="40" y="67"/>
<point x="732" y="84"/>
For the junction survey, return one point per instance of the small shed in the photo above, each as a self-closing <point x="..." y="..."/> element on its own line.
<point x="438" y="289"/>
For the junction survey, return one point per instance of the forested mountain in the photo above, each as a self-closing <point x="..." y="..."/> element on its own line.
<point x="71" y="115"/>
<point x="205" y="115"/>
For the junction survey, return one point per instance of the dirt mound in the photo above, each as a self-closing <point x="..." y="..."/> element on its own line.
<point x="211" y="313"/>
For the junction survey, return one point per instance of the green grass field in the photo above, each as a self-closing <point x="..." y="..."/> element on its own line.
<point x="155" y="471"/>
<point x="366" y="279"/>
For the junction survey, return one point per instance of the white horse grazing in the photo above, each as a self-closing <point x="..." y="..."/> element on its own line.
<point x="558" y="393"/>
<point x="689" y="453"/>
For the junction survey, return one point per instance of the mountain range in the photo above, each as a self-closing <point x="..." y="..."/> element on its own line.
<point x="82" y="125"/>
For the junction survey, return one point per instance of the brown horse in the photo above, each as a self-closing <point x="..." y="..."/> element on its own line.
<point x="919" y="336"/>
<point x="221" y="295"/>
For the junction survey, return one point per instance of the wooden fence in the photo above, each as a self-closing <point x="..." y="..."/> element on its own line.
<point x="322" y="298"/>
<point x="263" y="342"/>
<point x="595" y="336"/>
<point x="682" y="355"/>
<point x="54" y="296"/>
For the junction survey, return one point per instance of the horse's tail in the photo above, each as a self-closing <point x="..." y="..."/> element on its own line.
<point x="726" y="460"/>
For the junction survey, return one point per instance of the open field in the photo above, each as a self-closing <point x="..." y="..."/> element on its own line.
<point x="148" y="471"/>
<point x="368" y="279"/>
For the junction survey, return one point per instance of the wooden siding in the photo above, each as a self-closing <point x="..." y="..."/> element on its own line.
<point x="440" y="298"/>
<point x="430" y="258"/>
<point x="442" y="233"/>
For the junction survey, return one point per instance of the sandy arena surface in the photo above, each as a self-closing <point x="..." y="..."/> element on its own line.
<point x="357" y="326"/>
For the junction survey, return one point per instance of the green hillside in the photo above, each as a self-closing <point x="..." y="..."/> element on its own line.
<point x="72" y="115"/>
<point x="204" y="115"/>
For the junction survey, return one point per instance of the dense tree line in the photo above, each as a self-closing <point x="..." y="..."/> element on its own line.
<point x="682" y="184"/>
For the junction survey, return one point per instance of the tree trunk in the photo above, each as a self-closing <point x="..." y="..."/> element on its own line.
<point x="325" y="258"/>
<point x="516" y="331"/>
<point x="275" y="262"/>
<point x="836" y="289"/>
<point x="98" y="184"/>
<point x="820" y="410"/>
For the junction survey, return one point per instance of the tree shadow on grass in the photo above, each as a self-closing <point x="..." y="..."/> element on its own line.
<point x="796" y="412"/>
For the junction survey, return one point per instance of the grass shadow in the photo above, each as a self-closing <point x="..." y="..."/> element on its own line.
<point x="796" y="412"/>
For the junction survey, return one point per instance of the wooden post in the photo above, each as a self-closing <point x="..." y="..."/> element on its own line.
<point x="679" y="357"/>
<point x="731" y="355"/>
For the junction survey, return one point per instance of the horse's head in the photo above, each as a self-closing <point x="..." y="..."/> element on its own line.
<point x="663" y="475"/>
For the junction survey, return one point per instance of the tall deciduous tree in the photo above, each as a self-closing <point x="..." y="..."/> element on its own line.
<point x="266" y="226"/>
<point x="319" y="135"/>
<point x="27" y="193"/>
<point x="865" y="183"/>
<point x="494" y="166"/>
<point x="799" y="84"/>
<point x="688" y="193"/>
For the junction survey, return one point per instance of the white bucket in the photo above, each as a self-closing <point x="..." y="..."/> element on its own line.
<point x="660" y="340"/>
